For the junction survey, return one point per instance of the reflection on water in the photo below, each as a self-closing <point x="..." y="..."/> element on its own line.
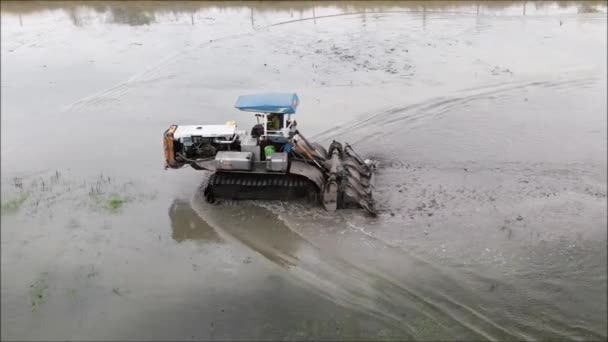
<point x="255" y="227"/>
<point x="131" y="16"/>
<point x="187" y="225"/>
<point x="116" y="14"/>
<point x="137" y="13"/>
<point x="261" y="230"/>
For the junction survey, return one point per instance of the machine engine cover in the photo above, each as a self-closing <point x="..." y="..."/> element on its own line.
<point x="277" y="162"/>
<point x="208" y="131"/>
<point x="234" y="161"/>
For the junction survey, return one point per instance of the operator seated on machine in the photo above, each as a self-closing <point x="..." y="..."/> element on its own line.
<point x="274" y="125"/>
<point x="274" y="121"/>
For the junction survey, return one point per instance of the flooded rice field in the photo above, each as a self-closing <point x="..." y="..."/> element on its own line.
<point x="488" y="118"/>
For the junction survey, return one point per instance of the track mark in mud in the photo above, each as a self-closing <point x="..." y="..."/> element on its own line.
<point x="116" y="92"/>
<point x="440" y="312"/>
<point x="540" y="179"/>
<point x="308" y="268"/>
<point x="439" y="106"/>
<point x="154" y="73"/>
<point x="459" y="310"/>
<point x="350" y="285"/>
<point x="442" y="305"/>
<point x="150" y="74"/>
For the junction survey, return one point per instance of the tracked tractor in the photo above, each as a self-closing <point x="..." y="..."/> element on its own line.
<point x="272" y="161"/>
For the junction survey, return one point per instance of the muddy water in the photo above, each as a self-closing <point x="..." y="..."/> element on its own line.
<point x="489" y="120"/>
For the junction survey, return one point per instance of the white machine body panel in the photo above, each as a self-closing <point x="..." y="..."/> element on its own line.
<point x="209" y="131"/>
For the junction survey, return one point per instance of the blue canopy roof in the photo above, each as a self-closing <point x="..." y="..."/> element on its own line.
<point x="285" y="103"/>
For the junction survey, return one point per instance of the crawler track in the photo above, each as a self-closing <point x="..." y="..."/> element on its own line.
<point x="260" y="186"/>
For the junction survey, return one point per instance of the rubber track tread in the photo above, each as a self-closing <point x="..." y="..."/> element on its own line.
<point x="260" y="186"/>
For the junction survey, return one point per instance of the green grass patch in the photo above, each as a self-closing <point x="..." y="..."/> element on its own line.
<point x="38" y="291"/>
<point x="13" y="205"/>
<point x="115" y="203"/>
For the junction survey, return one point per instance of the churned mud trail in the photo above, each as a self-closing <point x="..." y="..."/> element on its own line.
<point x="342" y="281"/>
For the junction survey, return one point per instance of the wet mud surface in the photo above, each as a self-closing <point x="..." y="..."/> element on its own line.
<point x="489" y="121"/>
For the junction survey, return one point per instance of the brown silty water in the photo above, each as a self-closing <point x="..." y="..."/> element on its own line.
<point x="488" y="119"/>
